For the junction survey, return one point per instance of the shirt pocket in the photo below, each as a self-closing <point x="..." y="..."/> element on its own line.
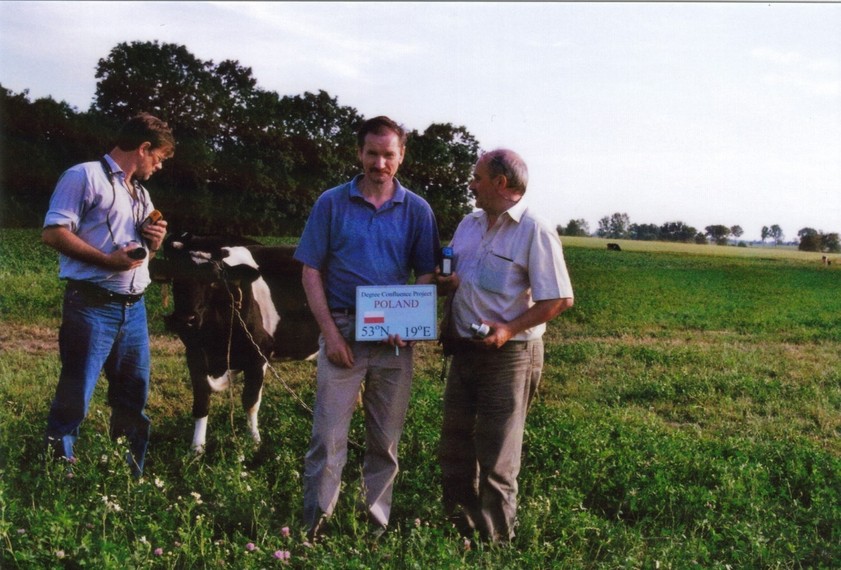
<point x="496" y="273"/>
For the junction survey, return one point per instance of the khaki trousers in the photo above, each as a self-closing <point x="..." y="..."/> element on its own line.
<point x="388" y="380"/>
<point x="486" y="400"/>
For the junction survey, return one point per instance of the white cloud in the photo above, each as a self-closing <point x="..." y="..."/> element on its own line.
<point x="776" y="56"/>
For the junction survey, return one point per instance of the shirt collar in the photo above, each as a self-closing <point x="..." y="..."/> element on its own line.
<point x="515" y="212"/>
<point x="115" y="168"/>
<point x="399" y="190"/>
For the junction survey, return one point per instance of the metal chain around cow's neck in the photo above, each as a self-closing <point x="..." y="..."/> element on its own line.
<point x="235" y="311"/>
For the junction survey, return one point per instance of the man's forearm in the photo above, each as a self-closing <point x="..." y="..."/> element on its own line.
<point x="317" y="299"/>
<point x="66" y="242"/>
<point x="541" y="312"/>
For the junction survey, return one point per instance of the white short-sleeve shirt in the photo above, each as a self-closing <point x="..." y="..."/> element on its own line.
<point x="503" y="270"/>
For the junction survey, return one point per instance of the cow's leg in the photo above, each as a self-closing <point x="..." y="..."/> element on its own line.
<point x="202" y="388"/>
<point x="201" y="408"/>
<point x="199" y="435"/>
<point x="252" y="394"/>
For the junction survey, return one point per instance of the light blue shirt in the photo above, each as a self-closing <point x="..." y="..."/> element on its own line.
<point x="351" y="243"/>
<point x="105" y="216"/>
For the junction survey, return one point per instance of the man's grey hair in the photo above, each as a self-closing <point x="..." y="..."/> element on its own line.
<point x="511" y="165"/>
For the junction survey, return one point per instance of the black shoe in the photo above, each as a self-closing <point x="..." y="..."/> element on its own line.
<point x="318" y="531"/>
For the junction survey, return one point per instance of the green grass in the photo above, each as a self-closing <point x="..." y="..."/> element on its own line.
<point x="689" y="417"/>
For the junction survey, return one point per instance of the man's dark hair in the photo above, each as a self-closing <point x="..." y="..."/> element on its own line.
<point x="379" y="126"/>
<point x="145" y="128"/>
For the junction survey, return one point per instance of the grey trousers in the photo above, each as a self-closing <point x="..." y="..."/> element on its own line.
<point x="388" y="380"/>
<point x="486" y="401"/>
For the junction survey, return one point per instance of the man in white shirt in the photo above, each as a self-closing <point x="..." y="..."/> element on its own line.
<point x="509" y="274"/>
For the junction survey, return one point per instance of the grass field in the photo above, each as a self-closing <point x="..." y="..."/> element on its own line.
<point x="689" y="417"/>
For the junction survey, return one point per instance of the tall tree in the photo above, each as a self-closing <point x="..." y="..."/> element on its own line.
<point x="39" y="140"/>
<point x="163" y="79"/>
<point x="575" y="227"/>
<point x="776" y="233"/>
<point x="677" y="231"/>
<point x="717" y="233"/>
<point x="615" y="226"/>
<point x="438" y="166"/>
<point x="644" y="232"/>
<point x="831" y="243"/>
<point x="321" y="145"/>
<point x="814" y="240"/>
<point x="246" y="161"/>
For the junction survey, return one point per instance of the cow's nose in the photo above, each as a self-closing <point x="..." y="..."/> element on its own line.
<point x="181" y="322"/>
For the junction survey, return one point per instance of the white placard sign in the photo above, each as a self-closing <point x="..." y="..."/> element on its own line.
<point x="408" y="310"/>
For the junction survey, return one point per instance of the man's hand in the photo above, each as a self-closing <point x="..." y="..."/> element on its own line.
<point x="396" y="341"/>
<point x="154" y="234"/>
<point x="499" y="335"/>
<point x="122" y="261"/>
<point x="337" y="349"/>
<point x="446" y="285"/>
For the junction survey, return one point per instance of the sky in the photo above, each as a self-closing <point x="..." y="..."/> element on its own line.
<point x="705" y="113"/>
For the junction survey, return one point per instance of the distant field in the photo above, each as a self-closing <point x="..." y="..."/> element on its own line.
<point x="689" y="416"/>
<point x="767" y="252"/>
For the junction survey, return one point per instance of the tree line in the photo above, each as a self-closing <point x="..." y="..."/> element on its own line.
<point x="619" y="226"/>
<point x="248" y="161"/>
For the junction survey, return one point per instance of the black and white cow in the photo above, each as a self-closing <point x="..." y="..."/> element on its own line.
<point x="236" y="304"/>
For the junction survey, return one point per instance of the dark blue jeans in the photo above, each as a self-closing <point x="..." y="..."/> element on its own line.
<point x="97" y="336"/>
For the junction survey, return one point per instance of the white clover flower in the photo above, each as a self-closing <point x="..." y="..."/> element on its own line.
<point x="110" y="505"/>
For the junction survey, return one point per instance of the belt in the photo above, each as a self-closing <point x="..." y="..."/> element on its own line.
<point x="100" y="294"/>
<point x="465" y="345"/>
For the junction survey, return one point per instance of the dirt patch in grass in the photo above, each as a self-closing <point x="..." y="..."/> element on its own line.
<point x="33" y="339"/>
<point x="30" y="339"/>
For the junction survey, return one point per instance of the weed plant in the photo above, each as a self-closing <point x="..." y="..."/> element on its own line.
<point x="689" y="417"/>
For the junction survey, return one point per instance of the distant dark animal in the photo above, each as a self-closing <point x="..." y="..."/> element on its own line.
<point x="236" y="304"/>
<point x="614" y="247"/>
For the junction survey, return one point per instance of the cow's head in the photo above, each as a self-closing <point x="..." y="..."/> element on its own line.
<point x="207" y="274"/>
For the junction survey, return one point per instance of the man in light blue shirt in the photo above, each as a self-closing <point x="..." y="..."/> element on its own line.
<point x="369" y="231"/>
<point x="96" y="222"/>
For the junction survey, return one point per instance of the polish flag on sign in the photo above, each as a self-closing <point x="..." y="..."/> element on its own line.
<point x="373" y="317"/>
